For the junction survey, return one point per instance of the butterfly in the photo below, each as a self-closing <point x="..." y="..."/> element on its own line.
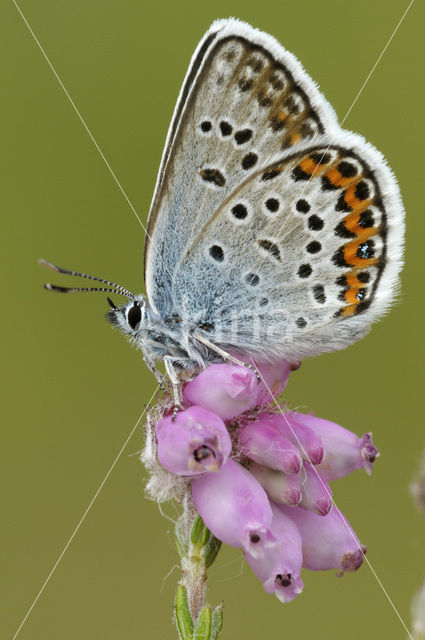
<point x="273" y="233"/>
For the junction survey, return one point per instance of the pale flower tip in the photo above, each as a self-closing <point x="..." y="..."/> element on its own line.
<point x="316" y="455"/>
<point x="369" y="452"/>
<point x="196" y="442"/>
<point x="322" y="507"/>
<point x="352" y="560"/>
<point x="286" y="586"/>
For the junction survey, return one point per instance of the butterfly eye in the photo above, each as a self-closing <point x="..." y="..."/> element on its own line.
<point x="134" y="315"/>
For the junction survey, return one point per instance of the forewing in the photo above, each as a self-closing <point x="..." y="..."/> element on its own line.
<point x="301" y="257"/>
<point x="244" y="101"/>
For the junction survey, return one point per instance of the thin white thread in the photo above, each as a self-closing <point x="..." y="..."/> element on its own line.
<point x="335" y="505"/>
<point x="346" y="116"/>
<point x="92" y="138"/>
<point x="84" y="516"/>
<point x="377" y="62"/>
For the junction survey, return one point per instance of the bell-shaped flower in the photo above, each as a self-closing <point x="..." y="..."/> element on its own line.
<point x="235" y="507"/>
<point x="227" y="390"/>
<point x="280" y="487"/>
<point x="316" y="494"/>
<point x="344" y="450"/>
<point x="262" y="442"/>
<point x="292" y="427"/>
<point x="328" y="542"/>
<point x="279" y="568"/>
<point x="194" y="442"/>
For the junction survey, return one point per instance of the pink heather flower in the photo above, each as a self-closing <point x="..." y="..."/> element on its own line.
<point x="228" y="390"/>
<point x="316" y="494"/>
<point x="344" y="450"/>
<point x="262" y="442"/>
<point x="280" y="487"/>
<point x="235" y="508"/>
<point x="279" y="568"/>
<point x="292" y="427"/>
<point x="328" y="542"/>
<point x="274" y="378"/>
<point x="195" y="442"/>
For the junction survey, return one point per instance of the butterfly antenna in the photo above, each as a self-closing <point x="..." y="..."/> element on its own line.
<point x="117" y="288"/>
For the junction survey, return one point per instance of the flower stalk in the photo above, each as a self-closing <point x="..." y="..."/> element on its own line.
<point x="198" y="549"/>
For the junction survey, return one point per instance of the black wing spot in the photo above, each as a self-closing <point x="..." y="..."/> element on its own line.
<point x="302" y="206"/>
<point x="240" y="211"/>
<point x="225" y="128"/>
<point x="270" y="175"/>
<point x="272" y="204"/>
<point x="271" y="248"/>
<point x="363" y="276"/>
<point x="214" y="176"/>
<point x="301" y="323"/>
<point x="342" y="205"/>
<point x="252" y="279"/>
<point x="305" y="271"/>
<point x="249" y="161"/>
<point x="362" y="191"/>
<point x="206" y="126"/>
<point x="314" y="247"/>
<point x="327" y="184"/>
<point x="338" y="258"/>
<point x="217" y="253"/>
<point x="366" y="250"/>
<point x="243" y="136"/>
<point x="298" y="174"/>
<point x="346" y="169"/>
<point x="315" y="223"/>
<point x="320" y="157"/>
<point x="264" y="302"/>
<point x="342" y="231"/>
<point x="366" y="219"/>
<point x="319" y="293"/>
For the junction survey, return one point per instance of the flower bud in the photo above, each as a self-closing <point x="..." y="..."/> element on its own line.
<point x="279" y="486"/>
<point x="344" y="450"/>
<point x="227" y="390"/>
<point x="195" y="442"/>
<point x="316" y="494"/>
<point x="328" y="542"/>
<point x="235" y="508"/>
<point x="261" y="441"/>
<point x="292" y="426"/>
<point x="279" y="568"/>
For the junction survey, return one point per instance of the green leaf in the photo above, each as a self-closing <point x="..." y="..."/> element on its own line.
<point x="203" y="625"/>
<point x="216" y="621"/>
<point x="183" y="616"/>
<point x="211" y="551"/>
<point x="200" y="533"/>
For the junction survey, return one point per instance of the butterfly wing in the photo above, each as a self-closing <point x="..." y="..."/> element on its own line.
<point x="244" y="100"/>
<point x="278" y="230"/>
<point x="301" y="257"/>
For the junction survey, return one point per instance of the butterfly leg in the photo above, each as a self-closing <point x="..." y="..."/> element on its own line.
<point x="151" y="366"/>
<point x="171" y="372"/>
<point x="227" y="357"/>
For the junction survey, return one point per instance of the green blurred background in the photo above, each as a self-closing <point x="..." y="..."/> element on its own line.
<point x="73" y="390"/>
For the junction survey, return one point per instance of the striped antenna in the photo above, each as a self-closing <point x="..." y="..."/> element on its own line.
<point x="117" y="288"/>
